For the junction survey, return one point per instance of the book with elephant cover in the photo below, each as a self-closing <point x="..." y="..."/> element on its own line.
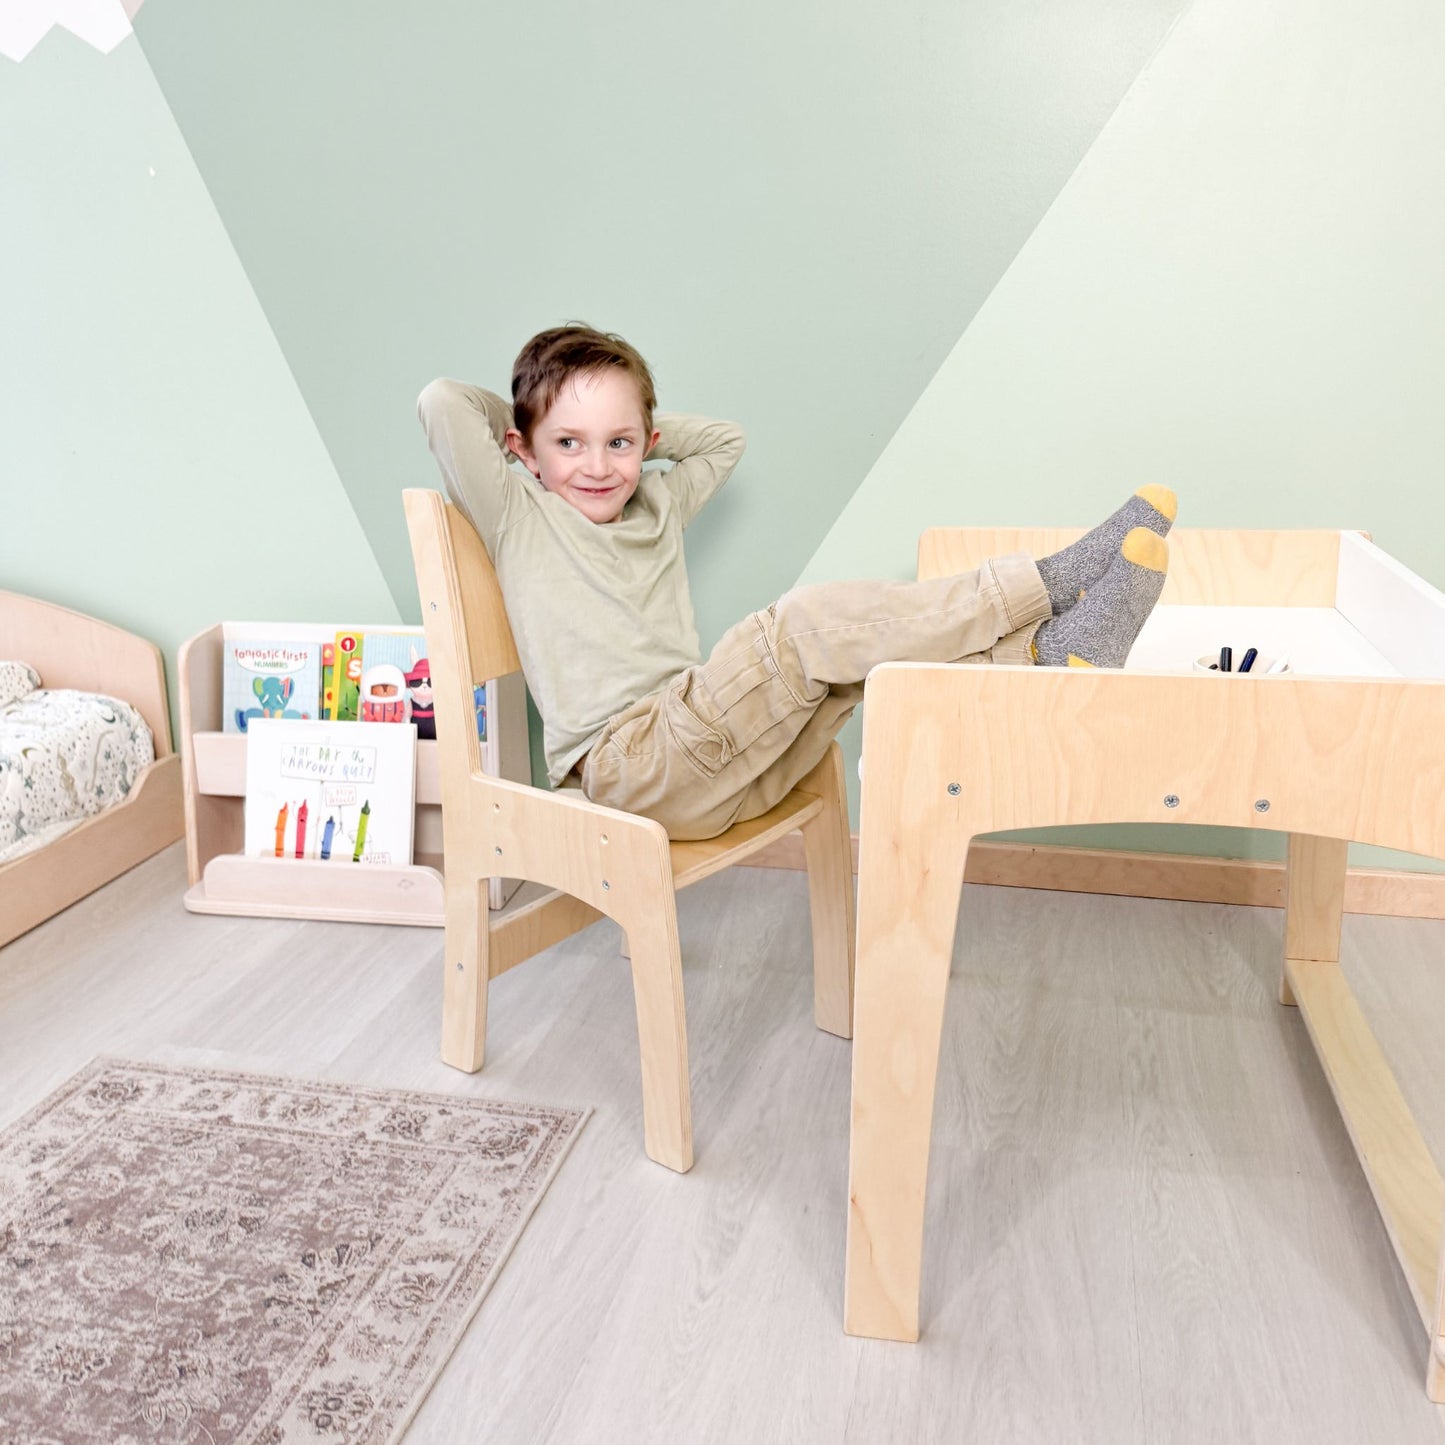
<point x="274" y="674"/>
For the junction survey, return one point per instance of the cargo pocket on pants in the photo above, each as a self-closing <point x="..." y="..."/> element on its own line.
<point x="723" y="706"/>
<point x="708" y="750"/>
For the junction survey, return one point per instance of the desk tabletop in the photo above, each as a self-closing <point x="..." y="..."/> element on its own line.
<point x="1318" y="641"/>
<point x="1337" y="603"/>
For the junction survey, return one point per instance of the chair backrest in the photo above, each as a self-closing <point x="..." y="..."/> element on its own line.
<point x="469" y="639"/>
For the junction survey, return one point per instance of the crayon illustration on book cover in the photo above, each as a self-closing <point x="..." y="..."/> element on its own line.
<point x="336" y="794"/>
<point x="265" y="678"/>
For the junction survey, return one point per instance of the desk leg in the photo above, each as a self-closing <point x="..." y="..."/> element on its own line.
<point x="1314" y="902"/>
<point x="909" y="881"/>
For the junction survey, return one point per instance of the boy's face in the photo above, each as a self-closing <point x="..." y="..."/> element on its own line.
<point x="589" y="447"/>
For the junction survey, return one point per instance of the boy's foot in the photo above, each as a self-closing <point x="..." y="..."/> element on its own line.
<point x="1070" y="573"/>
<point x="1100" y="631"/>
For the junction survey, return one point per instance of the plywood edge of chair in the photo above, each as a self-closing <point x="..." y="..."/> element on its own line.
<point x="452" y="562"/>
<point x="693" y="861"/>
<point x="519" y="933"/>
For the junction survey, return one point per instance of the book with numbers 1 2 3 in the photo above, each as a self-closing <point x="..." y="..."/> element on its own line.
<point x="337" y="792"/>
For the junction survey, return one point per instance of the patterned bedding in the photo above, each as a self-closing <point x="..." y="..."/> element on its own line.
<point x="64" y="756"/>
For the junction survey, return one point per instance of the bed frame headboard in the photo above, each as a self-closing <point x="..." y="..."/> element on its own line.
<point x="69" y="649"/>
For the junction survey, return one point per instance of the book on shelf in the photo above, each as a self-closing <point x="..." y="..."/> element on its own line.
<point x="346" y="676"/>
<point x="396" y="680"/>
<point x="328" y="680"/>
<point x="369" y="810"/>
<point x="269" y="673"/>
<point x="316" y="671"/>
<point x="339" y="792"/>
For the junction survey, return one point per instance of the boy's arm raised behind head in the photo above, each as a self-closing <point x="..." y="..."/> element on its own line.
<point x="466" y="429"/>
<point x="703" y="454"/>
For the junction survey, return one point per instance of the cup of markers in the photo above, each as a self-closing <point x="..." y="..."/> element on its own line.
<point x="1250" y="660"/>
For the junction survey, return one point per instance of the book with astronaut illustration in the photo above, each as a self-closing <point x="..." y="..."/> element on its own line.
<point x="395" y="682"/>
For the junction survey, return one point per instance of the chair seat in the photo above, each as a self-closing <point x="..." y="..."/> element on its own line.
<point x="692" y="861"/>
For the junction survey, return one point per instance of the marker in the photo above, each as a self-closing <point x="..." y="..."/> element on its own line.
<point x="301" y="830"/>
<point x="1247" y="661"/>
<point x="361" y="831"/>
<point x="1278" y="665"/>
<point x="1226" y="657"/>
<point x="281" y="831"/>
<point x="326" y="837"/>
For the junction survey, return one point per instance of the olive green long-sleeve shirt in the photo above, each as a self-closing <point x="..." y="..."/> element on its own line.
<point x="601" y="614"/>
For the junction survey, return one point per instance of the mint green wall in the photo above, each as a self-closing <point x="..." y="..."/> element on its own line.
<point x="792" y="210"/>
<point x="160" y="469"/>
<point x="795" y="213"/>
<point x="1238" y="293"/>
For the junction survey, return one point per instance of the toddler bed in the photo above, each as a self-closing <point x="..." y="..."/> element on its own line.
<point x="89" y="783"/>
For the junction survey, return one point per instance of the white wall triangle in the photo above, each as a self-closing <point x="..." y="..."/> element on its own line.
<point x="103" y="23"/>
<point x="1240" y="291"/>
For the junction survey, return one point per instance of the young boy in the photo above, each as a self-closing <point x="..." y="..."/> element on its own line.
<point x="588" y="551"/>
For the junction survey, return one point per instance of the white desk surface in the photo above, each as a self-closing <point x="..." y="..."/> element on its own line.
<point x="1319" y="640"/>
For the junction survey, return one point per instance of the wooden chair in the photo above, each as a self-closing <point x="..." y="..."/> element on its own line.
<point x="597" y="861"/>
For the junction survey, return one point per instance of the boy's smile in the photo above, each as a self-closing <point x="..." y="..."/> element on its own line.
<point x="588" y="448"/>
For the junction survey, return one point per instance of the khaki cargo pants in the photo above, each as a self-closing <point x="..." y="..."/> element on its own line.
<point x="730" y="738"/>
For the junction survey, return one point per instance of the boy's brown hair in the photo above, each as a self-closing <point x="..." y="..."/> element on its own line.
<point x="552" y="358"/>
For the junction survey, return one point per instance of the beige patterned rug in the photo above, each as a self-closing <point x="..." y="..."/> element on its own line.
<point x="187" y="1255"/>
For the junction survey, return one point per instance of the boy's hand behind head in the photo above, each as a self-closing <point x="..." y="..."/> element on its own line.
<point x="583" y="402"/>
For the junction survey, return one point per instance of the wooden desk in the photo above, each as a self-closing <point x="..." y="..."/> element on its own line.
<point x="954" y="752"/>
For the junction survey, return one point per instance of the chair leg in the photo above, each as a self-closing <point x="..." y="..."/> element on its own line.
<point x="828" y="848"/>
<point x="662" y="1034"/>
<point x="465" y="959"/>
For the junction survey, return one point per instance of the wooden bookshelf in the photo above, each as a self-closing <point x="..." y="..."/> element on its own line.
<point x="223" y="880"/>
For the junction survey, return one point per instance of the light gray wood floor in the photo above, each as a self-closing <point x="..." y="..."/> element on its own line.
<point x="1145" y="1220"/>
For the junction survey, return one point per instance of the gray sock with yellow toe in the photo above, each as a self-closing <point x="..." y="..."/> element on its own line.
<point x="1100" y="630"/>
<point x="1070" y="573"/>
